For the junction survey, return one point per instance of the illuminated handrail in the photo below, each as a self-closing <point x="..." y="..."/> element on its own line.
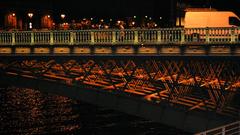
<point x="229" y="129"/>
<point x="127" y="36"/>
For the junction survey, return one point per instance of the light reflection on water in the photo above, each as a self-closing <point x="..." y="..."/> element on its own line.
<point x="26" y="111"/>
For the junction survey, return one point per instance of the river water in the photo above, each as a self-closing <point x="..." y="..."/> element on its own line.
<point x="27" y="111"/>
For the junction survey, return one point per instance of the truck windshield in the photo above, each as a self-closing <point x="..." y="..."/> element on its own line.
<point x="234" y="21"/>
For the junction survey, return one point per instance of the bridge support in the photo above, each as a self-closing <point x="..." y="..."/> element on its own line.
<point x="194" y="94"/>
<point x="163" y="113"/>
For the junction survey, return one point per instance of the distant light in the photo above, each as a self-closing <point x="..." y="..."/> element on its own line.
<point x="134" y="16"/>
<point x="160" y="17"/>
<point x="101" y="20"/>
<point x="146" y="16"/>
<point x="63" y="16"/>
<point x="118" y="22"/>
<point x="133" y="23"/>
<point x="13" y="14"/>
<point x="155" y="25"/>
<point x="30" y="25"/>
<point x="110" y="20"/>
<point x="30" y="15"/>
<point x="48" y="16"/>
<point x="91" y="19"/>
<point x="150" y="18"/>
<point x="84" y="19"/>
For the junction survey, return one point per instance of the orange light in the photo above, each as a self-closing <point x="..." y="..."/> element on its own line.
<point x="63" y="16"/>
<point x="48" y="16"/>
<point x="13" y="14"/>
<point x="30" y="15"/>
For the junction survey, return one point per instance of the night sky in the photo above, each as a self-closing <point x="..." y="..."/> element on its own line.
<point x="113" y="8"/>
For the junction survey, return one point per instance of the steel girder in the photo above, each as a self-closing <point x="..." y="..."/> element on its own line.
<point x="191" y="84"/>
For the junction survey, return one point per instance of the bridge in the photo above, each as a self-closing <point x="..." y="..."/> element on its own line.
<point x="187" y="78"/>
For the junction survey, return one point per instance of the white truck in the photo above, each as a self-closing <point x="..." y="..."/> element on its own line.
<point x="211" y="25"/>
<point x="203" y="19"/>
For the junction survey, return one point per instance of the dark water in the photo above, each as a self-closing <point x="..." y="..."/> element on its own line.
<point x="26" y="111"/>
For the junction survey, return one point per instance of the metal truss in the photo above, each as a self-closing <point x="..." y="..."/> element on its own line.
<point x="191" y="84"/>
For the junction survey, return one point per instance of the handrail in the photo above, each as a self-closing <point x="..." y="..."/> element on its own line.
<point x="125" y="36"/>
<point x="232" y="128"/>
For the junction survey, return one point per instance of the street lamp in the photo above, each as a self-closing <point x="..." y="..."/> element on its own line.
<point x="30" y="15"/>
<point x="63" y="16"/>
<point x="13" y="15"/>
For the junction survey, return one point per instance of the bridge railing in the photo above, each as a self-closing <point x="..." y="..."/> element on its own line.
<point x="127" y="36"/>
<point x="229" y="129"/>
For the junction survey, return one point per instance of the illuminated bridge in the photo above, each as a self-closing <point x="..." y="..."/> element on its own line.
<point x="187" y="78"/>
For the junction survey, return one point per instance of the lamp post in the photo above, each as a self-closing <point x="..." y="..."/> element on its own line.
<point x="63" y="16"/>
<point x="30" y="15"/>
<point x="13" y="20"/>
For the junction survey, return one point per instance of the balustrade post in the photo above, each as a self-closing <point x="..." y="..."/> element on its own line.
<point x="13" y="38"/>
<point x="92" y="38"/>
<point x="72" y="37"/>
<point x="233" y="35"/>
<point x="207" y="35"/>
<point x="159" y="36"/>
<point x="182" y="35"/>
<point x="51" y="38"/>
<point x="135" y="37"/>
<point x="32" y="38"/>
<point x="113" y="37"/>
<point x="239" y="124"/>
<point x="223" y="131"/>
